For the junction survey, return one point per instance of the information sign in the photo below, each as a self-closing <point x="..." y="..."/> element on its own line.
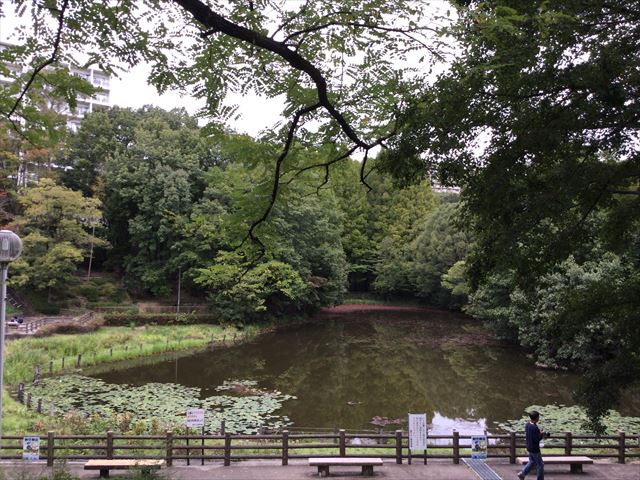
<point x="195" y="417"/>
<point x="479" y="447"/>
<point x="31" y="449"/>
<point x="417" y="431"/>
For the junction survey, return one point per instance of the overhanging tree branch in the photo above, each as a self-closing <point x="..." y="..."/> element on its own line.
<point x="276" y="182"/>
<point x="47" y="62"/>
<point x="214" y="22"/>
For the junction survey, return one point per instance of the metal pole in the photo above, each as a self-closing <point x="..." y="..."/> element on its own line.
<point x="3" y="302"/>
<point x="179" y="278"/>
<point x="93" y="234"/>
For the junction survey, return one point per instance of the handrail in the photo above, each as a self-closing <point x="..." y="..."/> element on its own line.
<point x="228" y="447"/>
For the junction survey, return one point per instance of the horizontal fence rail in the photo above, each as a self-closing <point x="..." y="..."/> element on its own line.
<point x="286" y="445"/>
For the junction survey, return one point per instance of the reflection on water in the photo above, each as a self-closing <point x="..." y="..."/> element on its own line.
<point x="441" y="425"/>
<point x="345" y="370"/>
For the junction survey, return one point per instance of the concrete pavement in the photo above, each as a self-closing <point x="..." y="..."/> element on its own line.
<point x="299" y="470"/>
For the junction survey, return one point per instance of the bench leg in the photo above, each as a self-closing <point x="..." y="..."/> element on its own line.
<point x="367" y="470"/>
<point x="104" y="473"/>
<point x="576" y="468"/>
<point x="323" y="470"/>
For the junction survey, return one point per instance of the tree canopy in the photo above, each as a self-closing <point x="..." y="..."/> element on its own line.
<point x="537" y="121"/>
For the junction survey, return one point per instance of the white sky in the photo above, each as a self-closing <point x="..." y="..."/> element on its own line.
<point x="131" y="89"/>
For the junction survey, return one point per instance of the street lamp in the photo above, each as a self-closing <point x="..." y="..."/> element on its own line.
<point x="10" y="249"/>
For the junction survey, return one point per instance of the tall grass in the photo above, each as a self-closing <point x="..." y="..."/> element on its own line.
<point x="106" y="345"/>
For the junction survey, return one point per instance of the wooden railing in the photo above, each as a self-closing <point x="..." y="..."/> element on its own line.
<point x="285" y="445"/>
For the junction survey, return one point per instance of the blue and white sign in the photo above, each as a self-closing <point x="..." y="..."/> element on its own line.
<point x="479" y="447"/>
<point x="31" y="449"/>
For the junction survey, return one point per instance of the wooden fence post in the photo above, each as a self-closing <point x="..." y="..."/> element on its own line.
<point x="169" y="452"/>
<point x="222" y="427"/>
<point x="109" y="445"/>
<point x="39" y="406"/>
<point x="285" y="447"/>
<point x="21" y="392"/>
<point x="568" y="443"/>
<point x="29" y="400"/>
<point x="62" y="363"/>
<point x="343" y="443"/>
<point x="456" y="447"/>
<point x="621" y="447"/>
<point x="227" y="449"/>
<point x="111" y="351"/>
<point x="50" y="366"/>
<point x="512" y="448"/>
<point x="399" y="447"/>
<point x="50" y="440"/>
<point x="79" y="360"/>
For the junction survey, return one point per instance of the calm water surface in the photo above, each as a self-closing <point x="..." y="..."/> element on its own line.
<point x="346" y="369"/>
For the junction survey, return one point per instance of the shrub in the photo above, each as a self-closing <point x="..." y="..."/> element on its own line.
<point x="66" y="327"/>
<point x="126" y="319"/>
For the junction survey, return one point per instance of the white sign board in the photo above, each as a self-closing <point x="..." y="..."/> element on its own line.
<point x="31" y="449"/>
<point x="479" y="447"/>
<point x="417" y="431"/>
<point x="195" y="417"/>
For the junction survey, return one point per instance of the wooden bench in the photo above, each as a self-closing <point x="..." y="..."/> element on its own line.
<point x="576" y="462"/>
<point x="105" y="465"/>
<point x="323" y="464"/>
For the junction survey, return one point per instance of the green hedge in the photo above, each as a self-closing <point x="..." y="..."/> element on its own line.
<point x="120" y="319"/>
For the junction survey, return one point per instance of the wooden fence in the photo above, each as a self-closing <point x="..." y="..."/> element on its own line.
<point x="285" y="445"/>
<point x="31" y="327"/>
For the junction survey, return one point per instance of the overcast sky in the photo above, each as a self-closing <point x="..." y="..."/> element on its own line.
<point x="131" y="89"/>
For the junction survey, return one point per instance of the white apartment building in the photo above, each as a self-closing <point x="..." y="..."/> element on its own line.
<point x="85" y="104"/>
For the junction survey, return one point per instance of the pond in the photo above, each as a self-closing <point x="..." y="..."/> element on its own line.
<point x="345" y="369"/>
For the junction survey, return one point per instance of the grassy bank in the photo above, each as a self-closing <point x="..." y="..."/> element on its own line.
<point x="101" y="347"/>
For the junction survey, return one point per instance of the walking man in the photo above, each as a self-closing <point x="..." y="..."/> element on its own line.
<point x="533" y="435"/>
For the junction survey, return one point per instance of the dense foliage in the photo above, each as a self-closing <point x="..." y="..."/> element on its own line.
<point x="537" y="119"/>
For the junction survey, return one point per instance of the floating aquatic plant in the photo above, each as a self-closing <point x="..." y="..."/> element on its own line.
<point x="557" y="419"/>
<point x="164" y="402"/>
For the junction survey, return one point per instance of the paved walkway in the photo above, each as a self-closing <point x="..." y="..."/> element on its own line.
<point x="299" y="470"/>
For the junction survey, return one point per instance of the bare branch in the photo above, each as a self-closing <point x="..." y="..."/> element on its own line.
<point x="46" y="63"/>
<point x="368" y="26"/>
<point x="324" y="165"/>
<point x="214" y="22"/>
<point x="363" y="177"/>
<point x="276" y="182"/>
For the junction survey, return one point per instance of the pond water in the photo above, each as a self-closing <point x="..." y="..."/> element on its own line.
<point x="345" y="369"/>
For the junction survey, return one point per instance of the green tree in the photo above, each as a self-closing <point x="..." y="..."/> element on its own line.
<point x="148" y="184"/>
<point x="400" y="214"/>
<point x="299" y="262"/>
<point x="54" y="229"/>
<point x="537" y="121"/>
<point x="338" y="88"/>
<point x="440" y="246"/>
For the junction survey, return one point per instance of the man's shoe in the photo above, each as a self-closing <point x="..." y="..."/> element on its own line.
<point x="521" y="476"/>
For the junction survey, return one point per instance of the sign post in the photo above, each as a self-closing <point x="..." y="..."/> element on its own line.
<point x="418" y="434"/>
<point x="195" y="419"/>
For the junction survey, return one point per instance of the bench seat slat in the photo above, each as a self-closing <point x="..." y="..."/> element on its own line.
<point x="560" y="460"/>
<point x="98" y="464"/>
<point x="336" y="462"/>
